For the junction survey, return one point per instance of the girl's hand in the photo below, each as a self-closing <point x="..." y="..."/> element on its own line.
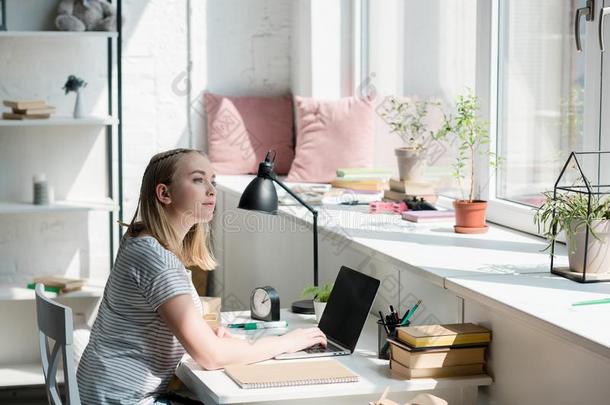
<point x="300" y="339"/>
<point x="222" y="332"/>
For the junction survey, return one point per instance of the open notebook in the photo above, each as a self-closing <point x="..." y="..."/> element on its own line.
<point x="284" y="374"/>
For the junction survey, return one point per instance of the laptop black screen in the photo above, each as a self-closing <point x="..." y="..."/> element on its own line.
<point x="348" y="306"/>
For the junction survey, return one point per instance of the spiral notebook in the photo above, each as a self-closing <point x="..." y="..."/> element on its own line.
<point x="286" y="374"/>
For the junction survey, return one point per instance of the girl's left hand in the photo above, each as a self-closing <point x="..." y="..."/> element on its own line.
<point x="222" y="332"/>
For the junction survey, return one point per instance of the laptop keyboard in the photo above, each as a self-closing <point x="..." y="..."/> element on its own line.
<point x="321" y="349"/>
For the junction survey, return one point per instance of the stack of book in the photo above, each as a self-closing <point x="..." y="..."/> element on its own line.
<point x="59" y="284"/>
<point x="27" y="110"/>
<point x="436" y="351"/>
<point x="363" y="183"/>
<point x="401" y="190"/>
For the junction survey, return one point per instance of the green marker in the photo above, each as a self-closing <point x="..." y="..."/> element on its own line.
<point x="410" y="313"/>
<point x="592" y="302"/>
<point x="258" y="325"/>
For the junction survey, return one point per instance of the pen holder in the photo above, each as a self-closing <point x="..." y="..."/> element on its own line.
<point x="383" y="347"/>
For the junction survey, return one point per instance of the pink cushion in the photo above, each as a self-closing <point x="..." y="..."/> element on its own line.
<point x="242" y="129"/>
<point x="331" y="134"/>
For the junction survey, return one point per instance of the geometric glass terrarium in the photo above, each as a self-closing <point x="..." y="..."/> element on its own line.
<point x="581" y="210"/>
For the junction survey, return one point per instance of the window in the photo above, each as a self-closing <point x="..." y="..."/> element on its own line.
<point x="422" y="48"/>
<point x="542" y="97"/>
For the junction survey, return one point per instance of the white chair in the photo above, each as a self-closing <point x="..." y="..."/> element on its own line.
<point x="55" y="323"/>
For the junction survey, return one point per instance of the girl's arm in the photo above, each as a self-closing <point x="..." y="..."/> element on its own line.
<point x="214" y="352"/>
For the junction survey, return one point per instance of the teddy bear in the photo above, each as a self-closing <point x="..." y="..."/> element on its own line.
<point x="85" y="15"/>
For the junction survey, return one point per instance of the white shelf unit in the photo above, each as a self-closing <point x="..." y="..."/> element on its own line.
<point x="12" y="293"/>
<point x="58" y="206"/>
<point x="12" y="375"/>
<point x="58" y="34"/>
<point x="60" y="121"/>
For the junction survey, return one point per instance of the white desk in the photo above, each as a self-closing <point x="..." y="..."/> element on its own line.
<point x="216" y="387"/>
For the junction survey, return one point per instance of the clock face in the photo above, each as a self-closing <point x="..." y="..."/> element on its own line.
<point x="265" y="304"/>
<point x="261" y="303"/>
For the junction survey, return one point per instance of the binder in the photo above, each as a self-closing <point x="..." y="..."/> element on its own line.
<point x="288" y="374"/>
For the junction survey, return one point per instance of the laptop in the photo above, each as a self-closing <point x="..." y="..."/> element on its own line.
<point x="344" y="316"/>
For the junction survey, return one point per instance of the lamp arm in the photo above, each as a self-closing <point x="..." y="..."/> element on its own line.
<point x="294" y="195"/>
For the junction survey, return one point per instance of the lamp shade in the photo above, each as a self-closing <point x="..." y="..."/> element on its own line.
<point x="260" y="195"/>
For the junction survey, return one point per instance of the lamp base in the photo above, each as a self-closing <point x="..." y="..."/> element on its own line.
<point x="303" y="307"/>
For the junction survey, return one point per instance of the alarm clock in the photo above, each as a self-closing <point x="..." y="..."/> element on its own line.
<point x="265" y="304"/>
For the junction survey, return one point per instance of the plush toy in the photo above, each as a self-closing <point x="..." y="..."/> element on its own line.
<point x="85" y="15"/>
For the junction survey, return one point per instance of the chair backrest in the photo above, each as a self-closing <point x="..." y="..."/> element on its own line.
<point x="55" y="322"/>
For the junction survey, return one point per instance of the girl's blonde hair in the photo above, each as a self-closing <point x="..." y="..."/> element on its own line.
<point x="195" y="247"/>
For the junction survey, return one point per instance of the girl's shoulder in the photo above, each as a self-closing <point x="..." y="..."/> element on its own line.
<point x="146" y="249"/>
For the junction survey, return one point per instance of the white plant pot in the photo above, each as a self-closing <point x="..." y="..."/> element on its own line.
<point x="318" y="308"/>
<point x="598" y="251"/>
<point x="411" y="163"/>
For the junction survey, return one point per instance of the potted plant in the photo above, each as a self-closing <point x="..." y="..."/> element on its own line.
<point x="75" y="84"/>
<point x="406" y="118"/>
<point x="568" y="213"/>
<point x="471" y="134"/>
<point x="320" y="296"/>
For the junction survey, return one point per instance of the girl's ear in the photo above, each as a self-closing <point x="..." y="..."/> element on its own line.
<point x="162" y="193"/>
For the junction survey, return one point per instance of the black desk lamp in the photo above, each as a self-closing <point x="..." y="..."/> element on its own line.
<point x="260" y="195"/>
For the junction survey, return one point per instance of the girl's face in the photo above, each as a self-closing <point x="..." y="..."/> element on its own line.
<point x="193" y="189"/>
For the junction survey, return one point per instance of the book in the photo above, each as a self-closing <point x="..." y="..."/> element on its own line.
<point x="402" y="371"/>
<point x="30" y="111"/>
<point x="63" y="283"/>
<point x="341" y="172"/>
<point x="13" y="116"/>
<point x="428" y="216"/>
<point x="285" y="374"/>
<point x="25" y="104"/>
<point x="399" y="196"/>
<point x="360" y="177"/>
<point x="371" y="185"/>
<point x="443" y="335"/>
<point x="412" y="187"/>
<point x="436" y="357"/>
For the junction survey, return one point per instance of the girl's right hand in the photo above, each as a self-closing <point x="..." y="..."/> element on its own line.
<point x="300" y="339"/>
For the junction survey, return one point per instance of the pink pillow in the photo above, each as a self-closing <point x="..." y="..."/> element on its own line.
<point x="242" y="129"/>
<point x="331" y="134"/>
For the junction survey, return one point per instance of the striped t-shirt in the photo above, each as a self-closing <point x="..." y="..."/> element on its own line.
<point x="132" y="354"/>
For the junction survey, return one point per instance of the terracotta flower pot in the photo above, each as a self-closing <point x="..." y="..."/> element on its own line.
<point x="411" y="163"/>
<point x="470" y="216"/>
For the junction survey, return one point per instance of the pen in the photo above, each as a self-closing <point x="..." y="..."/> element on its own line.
<point x="411" y="312"/>
<point x="387" y="331"/>
<point x="259" y="325"/>
<point x="592" y="302"/>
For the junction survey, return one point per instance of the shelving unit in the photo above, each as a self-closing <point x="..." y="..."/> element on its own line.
<point x="11" y="293"/>
<point x="58" y="206"/>
<point x="112" y="123"/>
<point x="58" y="34"/>
<point x="19" y="357"/>
<point x="61" y="121"/>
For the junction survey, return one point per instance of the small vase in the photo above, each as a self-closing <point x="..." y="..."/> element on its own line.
<point x="411" y="163"/>
<point x="318" y="308"/>
<point x="78" y="105"/>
